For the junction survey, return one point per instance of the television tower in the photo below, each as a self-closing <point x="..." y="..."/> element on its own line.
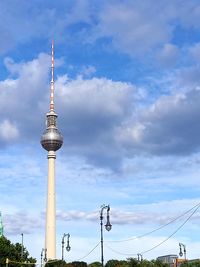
<point x="51" y="140"/>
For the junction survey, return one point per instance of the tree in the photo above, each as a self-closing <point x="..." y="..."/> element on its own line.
<point x="112" y="263"/>
<point x="117" y="263"/>
<point x="79" y="264"/>
<point x="95" y="264"/>
<point x="191" y="264"/>
<point x="158" y="263"/>
<point x="132" y="262"/>
<point x="55" y="263"/>
<point x="13" y="253"/>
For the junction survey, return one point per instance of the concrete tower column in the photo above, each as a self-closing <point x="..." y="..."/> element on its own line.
<point x="51" y="208"/>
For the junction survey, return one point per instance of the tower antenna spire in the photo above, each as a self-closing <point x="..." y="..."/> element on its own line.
<point x="52" y="78"/>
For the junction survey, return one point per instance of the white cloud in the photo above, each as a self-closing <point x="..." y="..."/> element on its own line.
<point x="95" y="96"/>
<point x="88" y="70"/>
<point x="8" y="131"/>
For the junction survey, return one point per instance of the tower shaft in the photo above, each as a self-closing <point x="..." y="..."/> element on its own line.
<point x="50" y="239"/>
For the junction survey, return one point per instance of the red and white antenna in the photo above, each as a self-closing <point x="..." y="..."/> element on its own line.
<point x="52" y="78"/>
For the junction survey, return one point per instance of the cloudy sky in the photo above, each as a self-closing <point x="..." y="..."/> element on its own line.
<point x="127" y="94"/>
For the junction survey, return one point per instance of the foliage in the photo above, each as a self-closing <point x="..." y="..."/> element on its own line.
<point x="158" y="263"/>
<point x="132" y="262"/>
<point x="95" y="264"/>
<point x="117" y="263"/>
<point x="13" y="253"/>
<point x="195" y="263"/>
<point x="79" y="264"/>
<point x="55" y="263"/>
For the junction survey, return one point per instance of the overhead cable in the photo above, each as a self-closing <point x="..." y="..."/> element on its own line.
<point x="159" y="244"/>
<point x="173" y="232"/>
<point x="89" y="252"/>
<point x="148" y="233"/>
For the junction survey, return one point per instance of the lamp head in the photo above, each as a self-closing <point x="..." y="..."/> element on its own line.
<point x="108" y="225"/>
<point x="68" y="248"/>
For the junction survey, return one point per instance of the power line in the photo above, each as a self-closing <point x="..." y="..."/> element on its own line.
<point x="118" y="252"/>
<point x="131" y="254"/>
<point x="89" y="252"/>
<point x="173" y="232"/>
<point x="148" y="233"/>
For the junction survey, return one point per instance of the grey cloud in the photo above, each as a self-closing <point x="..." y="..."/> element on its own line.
<point x="91" y="110"/>
<point x="188" y="77"/>
<point x="21" y="101"/>
<point x="168" y="55"/>
<point x="195" y="52"/>
<point x="137" y="27"/>
<point x="24" y="22"/>
<point x="169" y="127"/>
<point x="21" y="222"/>
<point x="98" y="117"/>
<point x="119" y="217"/>
<point x="133" y="27"/>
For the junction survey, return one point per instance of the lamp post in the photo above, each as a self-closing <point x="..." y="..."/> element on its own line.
<point x="108" y="227"/>
<point x="41" y="256"/>
<point x="139" y="257"/>
<point x="63" y="244"/>
<point x="184" y="250"/>
<point x="22" y="245"/>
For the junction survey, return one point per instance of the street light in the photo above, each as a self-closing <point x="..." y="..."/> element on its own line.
<point x="140" y="258"/>
<point x="63" y="243"/>
<point x="41" y="256"/>
<point x="22" y="245"/>
<point x="108" y="227"/>
<point x="184" y="250"/>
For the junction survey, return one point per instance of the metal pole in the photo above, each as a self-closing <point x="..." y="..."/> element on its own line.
<point x="41" y="255"/>
<point x="184" y="251"/>
<point x="108" y="227"/>
<point x="22" y="251"/>
<point x="63" y="243"/>
<point x="101" y="223"/>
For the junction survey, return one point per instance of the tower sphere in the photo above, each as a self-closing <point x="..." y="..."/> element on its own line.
<point x="51" y="139"/>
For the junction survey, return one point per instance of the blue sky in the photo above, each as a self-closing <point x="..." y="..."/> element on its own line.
<point x="127" y="94"/>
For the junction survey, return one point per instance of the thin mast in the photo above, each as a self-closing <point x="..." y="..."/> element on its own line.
<point x="52" y="78"/>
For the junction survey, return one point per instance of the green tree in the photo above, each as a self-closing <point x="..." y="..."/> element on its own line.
<point x="79" y="264"/>
<point x="95" y="264"/>
<point x="145" y="263"/>
<point x="13" y="253"/>
<point x="112" y="263"/>
<point x="132" y="262"/>
<point x="117" y="263"/>
<point x="55" y="263"/>
<point x="191" y="264"/>
<point x="158" y="263"/>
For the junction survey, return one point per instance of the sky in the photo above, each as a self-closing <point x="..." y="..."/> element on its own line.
<point x="127" y="95"/>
